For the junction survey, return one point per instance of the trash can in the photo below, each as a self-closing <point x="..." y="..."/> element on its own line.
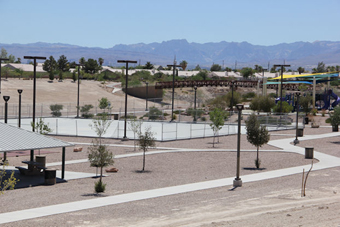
<point x="306" y="120"/>
<point x="41" y="160"/>
<point x="115" y="116"/>
<point x="309" y="152"/>
<point x="300" y="132"/>
<point x="335" y="128"/>
<point x="50" y="176"/>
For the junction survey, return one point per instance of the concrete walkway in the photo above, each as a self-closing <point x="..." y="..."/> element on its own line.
<point x="325" y="161"/>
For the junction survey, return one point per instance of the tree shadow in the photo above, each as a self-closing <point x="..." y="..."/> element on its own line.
<point x="141" y="171"/>
<point x="94" y="195"/>
<point x="253" y="168"/>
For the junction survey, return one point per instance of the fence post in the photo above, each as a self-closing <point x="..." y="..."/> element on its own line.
<point x="162" y="130"/>
<point x="204" y="130"/>
<point x="76" y="127"/>
<point x="56" y="125"/>
<point x="176" y="130"/>
<point x="190" y="130"/>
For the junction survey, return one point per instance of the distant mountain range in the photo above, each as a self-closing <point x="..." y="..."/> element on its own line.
<point x="229" y="54"/>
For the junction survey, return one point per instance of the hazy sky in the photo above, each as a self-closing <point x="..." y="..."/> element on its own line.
<point x="105" y="23"/>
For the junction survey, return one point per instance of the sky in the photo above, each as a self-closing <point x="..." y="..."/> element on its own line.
<point x="105" y="23"/>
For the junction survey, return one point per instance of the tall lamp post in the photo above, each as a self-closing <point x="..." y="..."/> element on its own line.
<point x="238" y="181"/>
<point x="281" y="84"/>
<point x="34" y="84"/>
<point x="6" y="98"/>
<point x="296" y="141"/>
<point x="173" y="88"/>
<point x="19" y="123"/>
<point x="78" y="89"/>
<point x="126" y="85"/>
<point x="195" y="87"/>
<point x="146" y="98"/>
<point x="2" y="59"/>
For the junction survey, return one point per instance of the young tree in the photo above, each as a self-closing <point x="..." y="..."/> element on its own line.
<point x="257" y="135"/>
<point x="145" y="141"/>
<point x="41" y="127"/>
<point x="100" y="125"/>
<point x="217" y="117"/>
<point x="301" y="70"/>
<point x="99" y="155"/>
<point x="135" y="126"/>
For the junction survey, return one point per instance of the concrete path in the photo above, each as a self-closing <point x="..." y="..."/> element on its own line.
<point x="325" y="161"/>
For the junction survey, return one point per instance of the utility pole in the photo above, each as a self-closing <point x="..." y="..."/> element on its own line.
<point x="173" y="88"/>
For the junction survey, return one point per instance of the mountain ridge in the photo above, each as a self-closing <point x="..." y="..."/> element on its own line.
<point x="305" y="54"/>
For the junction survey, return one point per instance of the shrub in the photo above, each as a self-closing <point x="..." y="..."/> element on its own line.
<point x="154" y="113"/>
<point x="248" y="95"/>
<point x="99" y="186"/>
<point x="192" y="112"/>
<point x="85" y="111"/>
<point x="203" y="118"/>
<point x="286" y="108"/>
<point x="56" y="110"/>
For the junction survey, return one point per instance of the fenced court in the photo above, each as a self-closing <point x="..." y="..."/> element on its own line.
<point x="163" y="130"/>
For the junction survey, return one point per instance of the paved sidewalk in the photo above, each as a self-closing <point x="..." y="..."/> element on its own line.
<point x="325" y="161"/>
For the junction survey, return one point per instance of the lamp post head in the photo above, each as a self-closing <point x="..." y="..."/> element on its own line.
<point x="239" y="107"/>
<point x="195" y="87"/>
<point x="19" y="91"/>
<point x="6" y="98"/>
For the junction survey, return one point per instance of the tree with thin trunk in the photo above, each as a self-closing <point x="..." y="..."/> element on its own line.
<point x="257" y="135"/>
<point x="135" y="126"/>
<point x="217" y="117"/>
<point x="145" y="141"/>
<point x="99" y="154"/>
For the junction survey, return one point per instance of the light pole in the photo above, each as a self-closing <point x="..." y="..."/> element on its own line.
<point x="2" y="59"/>
<point x="78" y="89"/>
<point x="195" y="87"/>
<point x="146" y="99"/>
<point x="126" y="85"/>
<point x="34" y="83"/>
<point x="281" y="84"/>
<point x="173" y="88"/>
<point x="6" y="98"/>
<point x="296" y="141"/>
<point x="238" y="181"/>
<point x="19" y="123"/>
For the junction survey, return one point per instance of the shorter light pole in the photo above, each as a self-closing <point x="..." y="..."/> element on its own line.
<point x="195" y="87"/>
<point x="146" y="98"/>
<point x="238" y="181"/>
<point x="6" y="98"/>
<point x="296" y="141"/>
<point x="19" y="123"/>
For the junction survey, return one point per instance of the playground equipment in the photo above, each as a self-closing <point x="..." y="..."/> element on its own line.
<point x="327" y="99"/>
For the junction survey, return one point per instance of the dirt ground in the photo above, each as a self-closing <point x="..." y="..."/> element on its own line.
<point x="274" y="202"/>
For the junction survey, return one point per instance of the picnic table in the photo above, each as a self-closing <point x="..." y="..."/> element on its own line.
<point x="33" y="168"/>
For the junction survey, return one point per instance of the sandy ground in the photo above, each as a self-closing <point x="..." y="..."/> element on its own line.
<point x="274" y="202"/>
